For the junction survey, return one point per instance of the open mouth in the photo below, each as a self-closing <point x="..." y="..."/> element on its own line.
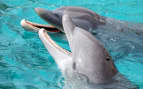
<point x="31" y="26"/>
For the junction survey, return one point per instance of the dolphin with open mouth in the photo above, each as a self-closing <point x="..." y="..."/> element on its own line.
<point x="82" y="17"/>
<point x="88" y="62"/>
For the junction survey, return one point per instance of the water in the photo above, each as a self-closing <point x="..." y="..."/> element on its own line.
<point x="24" y="61"/>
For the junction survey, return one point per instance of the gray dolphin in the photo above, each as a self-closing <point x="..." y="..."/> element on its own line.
<point x="88" y="58"/>
<point x="82" y="17"/>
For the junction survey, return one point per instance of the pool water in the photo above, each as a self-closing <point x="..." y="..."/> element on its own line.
<point x="26" y="64"/>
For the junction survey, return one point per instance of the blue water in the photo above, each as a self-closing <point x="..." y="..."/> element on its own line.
<point x="26" y="64"/>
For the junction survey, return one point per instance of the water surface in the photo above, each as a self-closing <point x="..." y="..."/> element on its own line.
<point x="26" y="64"/>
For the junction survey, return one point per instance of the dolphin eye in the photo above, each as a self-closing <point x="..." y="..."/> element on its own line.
<point x="108" y="58"/>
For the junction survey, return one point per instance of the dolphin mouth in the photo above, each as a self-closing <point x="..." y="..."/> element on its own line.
<point x="35" y="27"/>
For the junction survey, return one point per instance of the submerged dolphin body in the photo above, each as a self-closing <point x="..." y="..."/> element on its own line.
<point x="88" y="59"/>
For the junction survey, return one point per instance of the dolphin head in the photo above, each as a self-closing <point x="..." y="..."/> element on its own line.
<point x="82" y="17"/>
<point x="91" y="58"/>
<point x="88" y="57"/>
<point x="53" y="18"/>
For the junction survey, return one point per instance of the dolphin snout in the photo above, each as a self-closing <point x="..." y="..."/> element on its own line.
<point x="43" y="13"/>
<point x="40" y="11"/>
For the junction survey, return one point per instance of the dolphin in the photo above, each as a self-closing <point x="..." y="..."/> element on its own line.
<point x="82" y="17"/>
<point x="88" y="58"/>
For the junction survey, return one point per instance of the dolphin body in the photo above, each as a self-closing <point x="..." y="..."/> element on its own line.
<point x="81" y="17"/>
<point x="88" y="65"/>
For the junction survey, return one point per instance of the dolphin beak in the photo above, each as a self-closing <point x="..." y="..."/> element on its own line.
<point x="45" y="14"/>
<point x="40" y="11"/>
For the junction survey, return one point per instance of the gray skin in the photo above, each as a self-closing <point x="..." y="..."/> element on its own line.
<point x="88" y="58"/>
<point x="81" y="17"/>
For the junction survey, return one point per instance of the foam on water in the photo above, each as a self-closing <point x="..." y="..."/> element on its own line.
<point x="26" y="64"/>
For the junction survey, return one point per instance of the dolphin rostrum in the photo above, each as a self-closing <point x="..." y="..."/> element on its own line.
<point x="88" y="57"/>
